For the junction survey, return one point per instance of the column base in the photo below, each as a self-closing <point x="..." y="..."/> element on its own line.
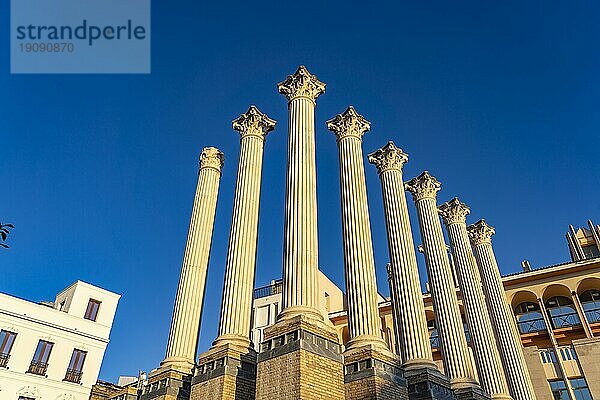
<point x="470" y="393"/>
<point x="373" y="373"/>
<point x="182" y="364"/>
<point x="428" y="384"/>
<point x="167" y="383"/>
<point x="225" y="372"/>
<point x="300" y="359"/>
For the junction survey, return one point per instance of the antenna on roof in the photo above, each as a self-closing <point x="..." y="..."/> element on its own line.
<point x="526" y="266"/>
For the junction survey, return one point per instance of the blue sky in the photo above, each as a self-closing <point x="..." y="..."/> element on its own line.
<point x="498" y="101"/>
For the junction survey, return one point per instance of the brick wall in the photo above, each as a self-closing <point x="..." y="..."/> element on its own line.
<point x="300" y="375"/>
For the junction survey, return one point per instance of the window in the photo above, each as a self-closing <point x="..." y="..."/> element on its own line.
<point x="568" y="353"/>
<point x="591" y="305"/>
<point x="75" y="366"/>
<point x="580" y="388"/>
<point x="39" y="364"/>
<point x="561" y="312"/>
<point x="25" y="398"/>
<point x="529" y="317"/>
<point x="262" y="316"/>
<point x="434" y="337"/>
<point x="548" y="356"/>
<point x="6" y="342"/>
<point x="590" y="251"/>
<point x="559" y="390"/>
<point x="91" y="312"/>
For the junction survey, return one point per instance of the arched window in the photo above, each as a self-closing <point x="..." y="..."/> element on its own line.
<point x="561" y="311"/>
<point x="434" y="336"/>
<point x="591" y="305"/>
<point x="529" y="317"/>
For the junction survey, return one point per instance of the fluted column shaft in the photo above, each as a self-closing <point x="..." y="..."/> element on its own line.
<point x="364" y="324"/>
<point x="300" y="248"/>
<point x="457" y="360"/>
<point x="503" y="322"/>
<point x="487" y="358"/>
<point x="185" y="325"/>
<point x="410" y="323"/>
<point x="238" y="287"/>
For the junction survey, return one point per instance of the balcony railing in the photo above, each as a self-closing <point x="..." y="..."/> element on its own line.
<point x="532" y="325"/>
<point x="565" y="320"/>
<point x="4" y="359"/>
<point x="592" y="313"/>
<point x="73" y="376"/>
<point x="38" y="368"/>
<point x="270" y="290"/>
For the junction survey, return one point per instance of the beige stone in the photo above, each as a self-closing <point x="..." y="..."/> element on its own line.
<point x="300" y="245"/>
<point x="409" y="313"/>
<point x="487" y="358"/>
<point x="359" y="264"/>
<point x="457" y="361"/>
<point x="183" y="337"/>
<point x="507" y="335"/>
<point x="238" y="286"/>
<point x="537" y="373"/>
<point x="588" y="352"/>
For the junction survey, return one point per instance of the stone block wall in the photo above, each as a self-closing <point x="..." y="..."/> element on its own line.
<point x="588" y="353"/>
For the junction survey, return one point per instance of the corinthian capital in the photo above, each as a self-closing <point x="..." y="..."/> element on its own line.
<point x="480" y="232"/>
<point x="254" y="123"/>
<point x="388" y="157"/>
<point x="301" y="84"/>
<point x="348" y="124"/>
<point x="454" y="212"/>
<point x="423" y="186"/>
<point x="211" y="157"/>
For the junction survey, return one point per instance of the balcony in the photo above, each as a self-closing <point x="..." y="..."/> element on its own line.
<point x="531" y="325"/>
<point x="592" y="312"/>
<point x="73" y="376"/>
<point x="565" y="320"/>
<point x="38" y="368"/>
<point x="270" y="290"/>
<point x="4" y="360"/>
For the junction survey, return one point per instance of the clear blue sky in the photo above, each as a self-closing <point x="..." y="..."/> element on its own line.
<point x="98" y="172"/>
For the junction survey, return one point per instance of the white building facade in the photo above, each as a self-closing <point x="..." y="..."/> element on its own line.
<point x="54" y="350"/>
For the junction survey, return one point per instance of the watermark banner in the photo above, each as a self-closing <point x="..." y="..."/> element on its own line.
<point x="80" y="36"/>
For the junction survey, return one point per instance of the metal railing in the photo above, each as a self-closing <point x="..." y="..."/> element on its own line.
<point x="270" y="290"/>
<point x="4" y="359"/>
<point x="435" y="342"/>
<point x="532" y="325"/>
<point x="73" y="376"/>
<point x="564" y="320"/>
<point x="592" y="314"/>
<point x="38" y="368"/>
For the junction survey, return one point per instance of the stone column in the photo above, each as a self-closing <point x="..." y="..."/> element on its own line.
<point x="300" y="246"/>
<point x="393" y="301"/>
<point x="183" y="338"/>
<point x="301" y="339"/>
<point x="487" y="359"/>
<point x="457" y="360"/>
<point x="235" y="376"/>
<point x="409" y="312"/>
<point x="236" y="306"/>
<point x="364" y="326"/>
<point x="503" y="322"/>
<point x="582" y="317"/>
